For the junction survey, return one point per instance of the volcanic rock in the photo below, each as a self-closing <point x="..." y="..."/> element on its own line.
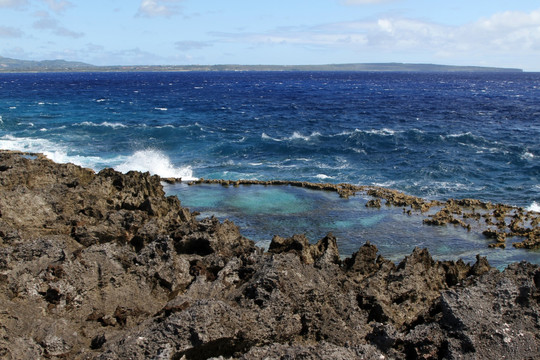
<point x="105" y="266"/>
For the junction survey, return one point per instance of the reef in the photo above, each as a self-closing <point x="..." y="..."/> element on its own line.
<point x="105" y="266"/>
<point x="496" y="221"/>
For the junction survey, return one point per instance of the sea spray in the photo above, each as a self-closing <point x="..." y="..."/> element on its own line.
<point x="155" y="162"/>
<point x="534" y="207"/>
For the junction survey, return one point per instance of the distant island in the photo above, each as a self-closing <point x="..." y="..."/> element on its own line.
<point x="14" y="65"/>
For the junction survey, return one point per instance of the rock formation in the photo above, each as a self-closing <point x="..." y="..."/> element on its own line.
<point x="104" y="266"/>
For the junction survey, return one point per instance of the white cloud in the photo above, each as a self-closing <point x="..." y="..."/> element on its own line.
<point x="9" y="32"/>
<point x="58" y="5"/>
<point x="154" y="8"/>
<point x="46" y="22"/>
<point x="503" y="35"/>
<point x="13" y="3"/>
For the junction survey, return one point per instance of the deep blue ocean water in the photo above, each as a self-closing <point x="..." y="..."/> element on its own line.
<point x="434" y="135"/>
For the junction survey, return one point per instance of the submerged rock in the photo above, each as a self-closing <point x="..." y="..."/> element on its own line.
<point x="104" y="266"/>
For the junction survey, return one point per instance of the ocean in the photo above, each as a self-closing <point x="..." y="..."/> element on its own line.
<point x="433" y="135"/>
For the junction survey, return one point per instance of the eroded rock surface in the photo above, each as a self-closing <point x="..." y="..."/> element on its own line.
<point x="104" y="266"/>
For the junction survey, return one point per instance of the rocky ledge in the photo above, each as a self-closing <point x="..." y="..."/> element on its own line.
<point x="104" y="266"/>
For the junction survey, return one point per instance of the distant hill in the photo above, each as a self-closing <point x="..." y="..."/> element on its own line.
<point x="14" y="65"/>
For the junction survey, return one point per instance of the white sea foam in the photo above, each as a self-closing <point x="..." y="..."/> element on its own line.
<point x="458" y="135"/>
<point x="387" y="184"/>
<point x="359" y="151"/>
<point x="324" y="177"/>
<point x="161" y="108"/>
<point x="382" y="132"/>
<point x="105" y="123"/>
<point x="534" y="207"/>
<point x="54" y="151"/>
<point x="527" y="155"/>
<point x="295" y="136"/>
<point x="152" y="161"/>
<point x="155" y="162"/>
<point x="266" y="137"/>
<point x="10" y="142"/>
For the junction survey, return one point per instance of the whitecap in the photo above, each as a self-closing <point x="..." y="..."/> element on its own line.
<point x="527" y="155"/>
<point x="386" y="184"/>
<point x="52" y="150"/>
<point x="347" y="133"/>
<point x="324" y="176"/>
<point x="534" y="207"/>
<point x="359" y="151"/>
<point x="297" y="136"/>
<point x="161" y="108"/>
<point x="155" y="162"/>
<point x="105" y="123"/>
<point x="266" y="137"/>
<point x="382" y="132"/>
<point x="457" y="135"/>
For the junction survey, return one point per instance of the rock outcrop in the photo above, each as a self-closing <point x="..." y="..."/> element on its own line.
<point x="105" y="266"/>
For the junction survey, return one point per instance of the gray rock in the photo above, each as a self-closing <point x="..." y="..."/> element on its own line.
<point x="104" y="266"/>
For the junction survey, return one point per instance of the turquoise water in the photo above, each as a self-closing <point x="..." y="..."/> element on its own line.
<point x="265" y="211"/>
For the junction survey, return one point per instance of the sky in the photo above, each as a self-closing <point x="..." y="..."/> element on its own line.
<point x="277" y="32"/>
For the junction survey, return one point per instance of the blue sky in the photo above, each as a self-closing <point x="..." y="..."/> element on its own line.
<point x="121" y="32"/>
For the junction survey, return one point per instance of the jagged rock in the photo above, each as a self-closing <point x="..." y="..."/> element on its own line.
<point x="104" y="266"/>
<point x="324" y="251"/>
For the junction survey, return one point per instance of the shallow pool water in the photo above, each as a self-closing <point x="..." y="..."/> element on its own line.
<point x="264" y="211"/>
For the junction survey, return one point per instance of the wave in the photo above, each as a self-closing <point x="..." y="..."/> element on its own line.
<point x="382" y="132"/>
<point x="324" y="176"/>
<point x="466" y="135"/>
<point x="152" y="161"/>
<point x="527" y="155"/>
<point x="52" y="150"/>
<point x="105" y="123"/>
<point x="534" y="207"/>
<point x="155" y="162"/>
<point x="266" y="137"/>
<point x="295" y="136"/>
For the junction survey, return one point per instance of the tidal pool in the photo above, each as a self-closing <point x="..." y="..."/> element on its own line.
<point x="264" y="211"/>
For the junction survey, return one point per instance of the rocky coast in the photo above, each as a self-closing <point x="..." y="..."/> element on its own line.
<point x="105" y="266"/>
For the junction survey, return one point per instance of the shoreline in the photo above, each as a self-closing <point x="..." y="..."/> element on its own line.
<point x="130" y="273"/>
